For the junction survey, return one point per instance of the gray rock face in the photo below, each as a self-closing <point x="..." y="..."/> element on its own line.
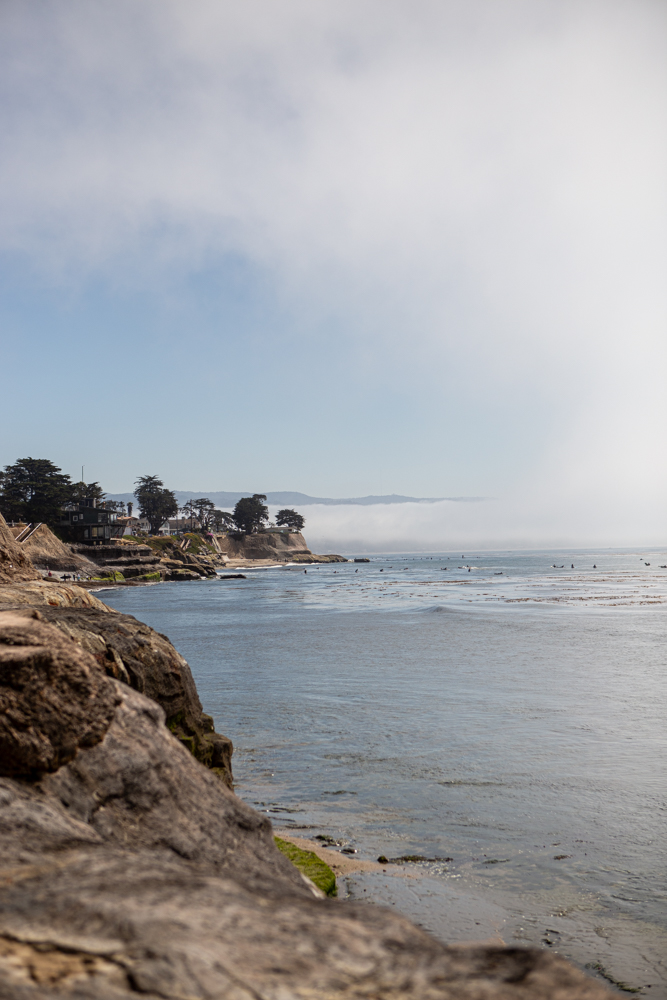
<point x="133" y="869"/>
<point x="137" y="655"/>
<point x="53" y="700"/>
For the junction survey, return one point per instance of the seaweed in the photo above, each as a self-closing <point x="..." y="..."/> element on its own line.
<point x="310" y="865"/>
<point x="600" y="969"/>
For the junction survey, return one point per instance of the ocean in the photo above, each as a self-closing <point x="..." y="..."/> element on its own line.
<point x="503" y="715"/>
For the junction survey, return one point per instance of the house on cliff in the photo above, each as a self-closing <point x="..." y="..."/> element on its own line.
<point x="89" y="524"/>
<point x="178" y="525"/>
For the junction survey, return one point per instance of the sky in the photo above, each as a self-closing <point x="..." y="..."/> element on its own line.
<point x="344" y="248"/>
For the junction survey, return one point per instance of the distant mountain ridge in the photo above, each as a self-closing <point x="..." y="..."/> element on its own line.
<point x="287" y="498"/>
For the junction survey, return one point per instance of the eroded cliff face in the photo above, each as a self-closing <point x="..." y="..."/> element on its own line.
<point x="15" y="565"/>
<point x="126" y="867"/>
<point x="264" y="545"/>
<point x="47" y="552"/>
<point x="271" y="546"/>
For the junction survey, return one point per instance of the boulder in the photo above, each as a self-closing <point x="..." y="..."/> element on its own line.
<point x="15" y="564"/>
<point x="132" y="869"/>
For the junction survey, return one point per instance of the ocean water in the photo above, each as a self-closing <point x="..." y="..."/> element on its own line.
<point x="506" y="711"/>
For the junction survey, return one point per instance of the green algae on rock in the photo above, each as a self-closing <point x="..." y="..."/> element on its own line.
<point x="310" y="865"/>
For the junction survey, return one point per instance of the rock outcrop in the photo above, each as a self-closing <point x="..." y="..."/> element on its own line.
<point x="121" y="562"/>
<point x="160" y="559"/>
<point x="15" y="565"/>
<point x="117" y="563"/>
<point x="132" y="869"/>
<point x="134" y="653"/>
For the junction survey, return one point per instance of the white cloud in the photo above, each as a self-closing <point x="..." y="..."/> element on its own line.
<point x="474" y="190"/>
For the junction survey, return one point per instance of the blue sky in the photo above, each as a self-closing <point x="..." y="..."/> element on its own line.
<point x="342" y="248"/>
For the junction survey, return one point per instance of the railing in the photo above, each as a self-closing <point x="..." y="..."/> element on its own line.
<point x="29" y="530"/>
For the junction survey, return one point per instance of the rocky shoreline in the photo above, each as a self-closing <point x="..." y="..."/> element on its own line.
<point x="129" y="866"/>
<point x="130" y="562"/>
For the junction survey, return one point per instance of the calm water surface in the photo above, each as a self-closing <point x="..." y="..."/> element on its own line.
<point x="503" y="710"/>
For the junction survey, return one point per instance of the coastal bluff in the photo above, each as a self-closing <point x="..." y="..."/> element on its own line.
<point x="270" y="546"/>
<point x="128" y="867"/>
<point x="131" y="561"/>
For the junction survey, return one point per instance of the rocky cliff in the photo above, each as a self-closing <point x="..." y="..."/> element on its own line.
<point x="128" y="868"/>
<point x="272" y="546"/>
<point x="119" y="562"/>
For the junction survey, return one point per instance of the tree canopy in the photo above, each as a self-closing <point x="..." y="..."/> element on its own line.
<point x="117" y="505"/>
<point x="250" y="513"/>
<point x="87" y="491"/>
<point x="290" y="519"/>
<point x="223" y="520"/>
<point x="202" y="509"/>
<point x="34" y="489"/>
<point x="155" y="502"/>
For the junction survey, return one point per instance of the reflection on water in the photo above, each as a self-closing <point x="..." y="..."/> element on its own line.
<point x="431" y="705"/>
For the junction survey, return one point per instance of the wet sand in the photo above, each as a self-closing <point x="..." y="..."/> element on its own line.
<point x="461" y="914"/>
<point x="455" y="917"/>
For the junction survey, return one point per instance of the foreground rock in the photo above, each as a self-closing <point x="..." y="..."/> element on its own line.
<point x="45" y="593"/>
<point x="132" y="652"/>
<point x="53" y="699"/>
<point x="132" y="869"/>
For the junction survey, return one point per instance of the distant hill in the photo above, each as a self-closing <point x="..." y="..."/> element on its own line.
<point x="288" y="499"/>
